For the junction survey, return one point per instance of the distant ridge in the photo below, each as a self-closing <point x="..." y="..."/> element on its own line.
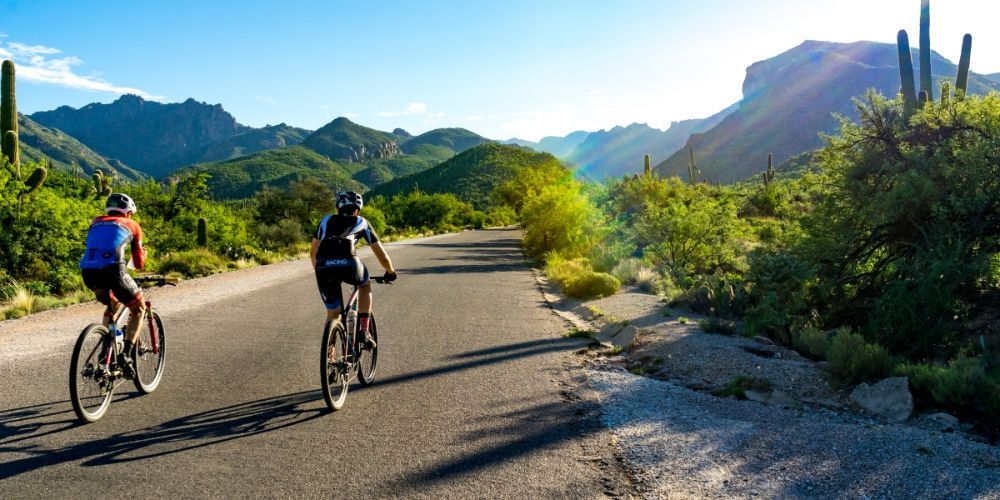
<point x="790" y="99"/>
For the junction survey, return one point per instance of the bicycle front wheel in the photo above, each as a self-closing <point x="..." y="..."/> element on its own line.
<point x="148" y="357"/>
<point x="369" y="357"/>
<point x="90" y="385"/>
<point x="334" y="367"/>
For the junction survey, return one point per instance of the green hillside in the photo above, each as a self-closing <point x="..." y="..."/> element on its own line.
<point x="242" y="177"/>
<point x="254" y="140"/>
<point x="455" y="139"/>
<point x="65" y="153"/>
<point x="344" y="140"/>
<point x="471" y="175"/>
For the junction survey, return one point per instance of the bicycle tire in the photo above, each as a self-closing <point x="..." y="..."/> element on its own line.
<point x="147" y="381"/>
<point x="368" y="361"/>
<point x="333" y="359"/>
<point x="89" y="407"/>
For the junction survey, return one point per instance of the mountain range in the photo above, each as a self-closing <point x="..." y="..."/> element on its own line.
<point x="341" y="153"/>
<point x="790" y="99"/>
<point x="156" y="138"/>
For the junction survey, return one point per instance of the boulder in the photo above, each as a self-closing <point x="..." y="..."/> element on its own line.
<point x="889" y="399"/>
<point x="624" y="339"/>
<point x="945" y="421"/>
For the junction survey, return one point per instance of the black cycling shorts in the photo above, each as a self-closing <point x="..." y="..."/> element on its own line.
<point x="112" y="280"/>
<point x="330" y="273"/>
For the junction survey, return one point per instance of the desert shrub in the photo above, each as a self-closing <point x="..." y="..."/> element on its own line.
<point x="812" y="342"/>
<point x="196" y="262"/>
<point x="578" y="279"/>
<point x="778" y="294"/>
<point x="966" y="383"/>
<point x="853" y="360"/>
<point x="627" y="269"/>
<point x="668" y="288"/>
<point x="646" y="279"/>
<point x="592" y="284"/>
<point x="281" y="235"/>
<point x="691" y="234"/>
<point x="718" y="325"/>
<point x="715" y="294"/>
<point x="610" y="253"/>
<point x="561" y="219"/>
<point x="500" y="216"/>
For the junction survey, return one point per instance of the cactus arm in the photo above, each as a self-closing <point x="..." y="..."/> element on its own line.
<point x="909" y="89"/>
<point x="962" y="83"/>
<point x="202" y="232"/>
<point x="926" y="79"/>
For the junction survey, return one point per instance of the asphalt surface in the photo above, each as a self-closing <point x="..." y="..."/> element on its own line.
<point x="469" y="400"/>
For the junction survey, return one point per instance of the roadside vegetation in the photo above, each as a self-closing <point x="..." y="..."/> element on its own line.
<point x="882" y="259"/>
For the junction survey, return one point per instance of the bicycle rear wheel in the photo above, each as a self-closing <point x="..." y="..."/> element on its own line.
<point x="149" y="364"/>
<point x="90" y="386"/>
<point x="334" y="368"/>
<point x="369" y="357"/>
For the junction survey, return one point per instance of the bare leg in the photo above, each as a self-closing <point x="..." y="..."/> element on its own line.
<point x="135" y="321"/>
<point x="365" y="299"/>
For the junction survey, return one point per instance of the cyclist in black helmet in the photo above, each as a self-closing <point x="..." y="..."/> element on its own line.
<point x="336" y="262"/>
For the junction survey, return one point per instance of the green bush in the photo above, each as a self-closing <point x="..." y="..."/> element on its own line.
<point x="967" y="383"/>
<point x="578" y="279"/>
<point x="812" y="342"/>
<point x="852" y="360"/>
<point x="591" y="285"/>
<point x="196" y="262"/>
<point x="281" y="235"/>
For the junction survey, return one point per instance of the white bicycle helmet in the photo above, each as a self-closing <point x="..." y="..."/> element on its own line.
<point x="120" y="203"/>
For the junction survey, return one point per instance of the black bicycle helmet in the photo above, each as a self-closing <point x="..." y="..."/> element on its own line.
<point x="347" y="200"/>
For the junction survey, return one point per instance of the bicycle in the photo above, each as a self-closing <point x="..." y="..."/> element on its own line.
<point x="342" y="357"/>
<point x="95" y="373"/>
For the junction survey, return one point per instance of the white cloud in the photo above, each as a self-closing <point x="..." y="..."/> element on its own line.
<point x="413" y="108"/>
<point x="47" y="65"/>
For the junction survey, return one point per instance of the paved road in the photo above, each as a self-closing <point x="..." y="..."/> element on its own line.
<point x="468" y="400"/>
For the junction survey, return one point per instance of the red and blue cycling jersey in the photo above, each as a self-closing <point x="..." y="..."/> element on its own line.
<point x="106" y="241"/>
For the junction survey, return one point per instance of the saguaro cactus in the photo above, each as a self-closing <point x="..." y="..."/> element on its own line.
<point x="962" y="83"/>
<point x="646" y="168"/>
<point x="692" y="169"/>
<point x="12" y="150"/>
<point x="202" y="232"/>
<point x="926" y="79"/>
<point x="102" y="184"/>
<point x="945" y="93"/>
<point x="8" y="116"/>
<point x="769" y="173"/>
<point x="909" y="87"/>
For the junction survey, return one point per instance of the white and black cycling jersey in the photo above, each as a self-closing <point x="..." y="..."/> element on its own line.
<point x="338" y="234"/>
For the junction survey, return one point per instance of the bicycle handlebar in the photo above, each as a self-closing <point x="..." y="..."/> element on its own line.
<point x="385" y="280"/>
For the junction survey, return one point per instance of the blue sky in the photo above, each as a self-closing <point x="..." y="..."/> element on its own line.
<point x="503" y="69"/>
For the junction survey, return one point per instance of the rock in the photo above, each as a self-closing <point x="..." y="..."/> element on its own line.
<point x="889" y="399"/>
<point x="759" y="397"/>
<point x="763" y="340"/>
<point x="624" y="339"/>
<point x="822" y="365"/>
<point x="608" y="332"/>
<point x="779" y="398"/>
<point x="946" y="421"/>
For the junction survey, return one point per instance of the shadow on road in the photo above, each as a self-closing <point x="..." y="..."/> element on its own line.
<point x="511" y="244"/>
<point x="174" y="436"/>
<point x="490" y="356"/>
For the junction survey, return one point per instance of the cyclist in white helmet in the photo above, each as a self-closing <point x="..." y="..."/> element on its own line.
<point x="335" y="261"/>
<point x="104" y="264"/>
